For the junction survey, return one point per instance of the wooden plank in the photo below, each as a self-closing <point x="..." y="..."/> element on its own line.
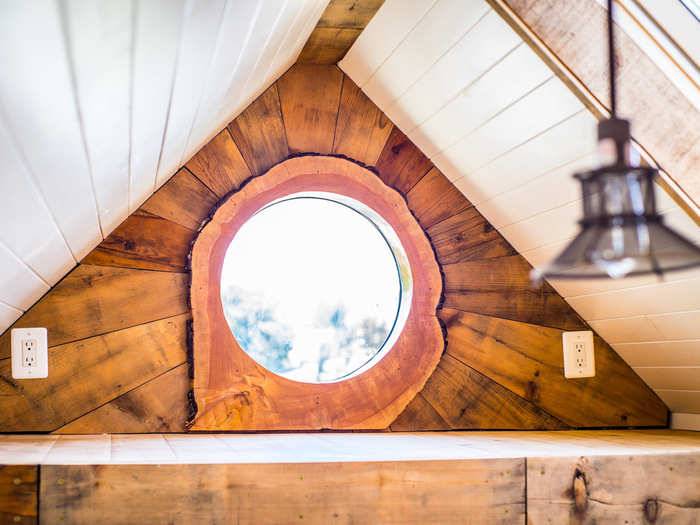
<point x="259" y="132"/>
<point x="144" y="241"/>
<point x="401" y="164"/>
<point x="527" y="360"/>
<point x="88" y="373"/>
<point x="467" y="491"/>
<point x="419" y="415"/>
<point x="220" y="165"/>
<point x="467" y="236"/>
<point x="614" y="489"/>
<point x="19" y="487"/>
<point x="349" y="13"/>
<point x="160" y="405"/>
<point x="434" y="199"/>
<point x="362" y="129"/>
<point x="309" y="98"/>
<point x="183" y="200"/>
<point x="500" y="287"/>
<point x="467" y="399"/>
<point x="93" y="300"/>
<point x="328" y="45"/>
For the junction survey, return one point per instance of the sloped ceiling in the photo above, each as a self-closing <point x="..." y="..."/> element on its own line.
<point x="463" y="85"/>
<point x="100" y="103"/>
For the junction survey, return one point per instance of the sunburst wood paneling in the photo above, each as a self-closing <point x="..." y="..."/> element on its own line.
<point x="487" y="283"/>
<point x="135" y="88"/>
<point x="505" y="126"/>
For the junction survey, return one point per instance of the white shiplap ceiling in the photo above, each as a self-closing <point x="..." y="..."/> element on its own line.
<point x="455" y="78"/>
<point x="101" y="102"/>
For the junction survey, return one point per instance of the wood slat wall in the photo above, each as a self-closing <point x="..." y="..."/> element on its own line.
<point x="117" y="323"/>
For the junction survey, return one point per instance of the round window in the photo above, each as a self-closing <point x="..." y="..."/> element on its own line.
<point x="316" y="287"/>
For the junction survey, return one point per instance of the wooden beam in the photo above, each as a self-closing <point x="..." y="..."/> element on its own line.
<point x="614" y="489"/>
<point x="439" y="492"/>
<point x="19" y="486"/>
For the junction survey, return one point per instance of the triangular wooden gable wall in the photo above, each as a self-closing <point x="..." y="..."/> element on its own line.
<point x="117" y="323"/>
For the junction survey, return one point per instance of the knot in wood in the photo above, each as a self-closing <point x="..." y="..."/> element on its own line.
<point x="651" y="510"/>
<point x="579" y="490"/>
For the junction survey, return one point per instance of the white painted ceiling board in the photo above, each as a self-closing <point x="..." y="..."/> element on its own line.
<point x="687" y="401"/>
<point x="454" y="72"/>
<point x="8" y="314"/>
<point x="28" y="229"/>
<point x="100" y="50"/>
<point x="39" y="105"/>
<point x="101" y="102"/>
<point x="661" y="353"/>
<point x="201" y="29"/>
<point x="559" y="145"/>
<point x="387" y="29"/>
<point x="451" y="19"/>
<point x="510" y="138"/>
<point x="513" y="76"/>
<point x="153" y="75"/>
<point x="671" y="378"/>
<point x="20" y="287"/>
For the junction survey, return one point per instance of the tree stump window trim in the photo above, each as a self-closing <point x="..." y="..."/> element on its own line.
<point x="233" y="391"/>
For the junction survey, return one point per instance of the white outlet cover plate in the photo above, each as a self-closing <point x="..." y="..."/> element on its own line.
<point x="578" y="364"/>
<point x="41" y="369"/>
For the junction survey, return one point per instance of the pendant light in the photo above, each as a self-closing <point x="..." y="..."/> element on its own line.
<point x="621" y="231"/>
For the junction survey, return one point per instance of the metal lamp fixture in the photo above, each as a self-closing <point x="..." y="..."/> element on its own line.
<point x="621" y="231"/>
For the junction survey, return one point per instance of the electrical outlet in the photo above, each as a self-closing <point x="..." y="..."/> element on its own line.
<point x="30" y="355"/>
<point x="579" y="355"/>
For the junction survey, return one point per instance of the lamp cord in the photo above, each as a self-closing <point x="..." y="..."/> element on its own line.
<point x="611" y="58"/>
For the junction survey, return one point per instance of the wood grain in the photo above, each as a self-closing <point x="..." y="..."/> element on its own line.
<point x="233" y="392"/>
<point x="309" y="98"/>
<point x="19" y="486"/>
<point x="144" y="241"/>
<point x="527" y="360"/>
<point x="434" y="198"/>
<point x="660" y="109"/>
<point x="362" y="129"/>
<point x="501" y="287"/>
<point x="467" y="236"/>
<point x="259" y="132"/>
<point x="617" y="489"/>
<point x="349" y="13"/>
<point x="419" y="415"/>
<point x="93" y="300"/>
<point x="401" y="164"/>
<point x="220" y="165"/>
<point x="160" y="405"/>
<point x="328" y="45"/>
<point x="440" y="492"/>
<point x="183" y="200"/>
<point x="467" y="399"/>
<point x="88" y="373"/>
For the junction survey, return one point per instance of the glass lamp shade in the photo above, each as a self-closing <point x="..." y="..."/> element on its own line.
<point x="621" y="232"/>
